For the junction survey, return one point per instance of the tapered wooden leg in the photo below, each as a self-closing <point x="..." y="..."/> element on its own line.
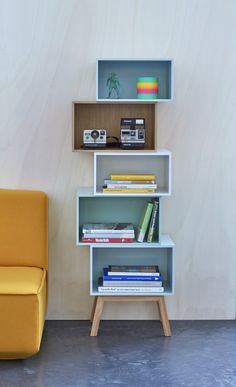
<point x="97" y="316"/>
<point x="93" y="309"/>
<point x="164" y="317"/>
<point x="159" y="309"/>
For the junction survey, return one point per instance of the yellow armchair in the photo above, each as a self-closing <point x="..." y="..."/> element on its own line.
<point x="23" y="271"/>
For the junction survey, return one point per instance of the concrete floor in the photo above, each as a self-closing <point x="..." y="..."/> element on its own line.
<point x="129" y="353"/>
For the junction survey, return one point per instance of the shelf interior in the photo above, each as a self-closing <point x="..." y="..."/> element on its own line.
<point x="97" y="209"/>
<point x="108" y="116"/>
<point x="162" y="256"/>
<point x="128" y="71"/>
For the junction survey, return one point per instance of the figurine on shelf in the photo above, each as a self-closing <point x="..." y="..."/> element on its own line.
<point x="113" y="85"/>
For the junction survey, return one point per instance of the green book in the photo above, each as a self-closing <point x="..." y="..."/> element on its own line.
<point x="153" y="226"/>
<point x="144" y="221"/>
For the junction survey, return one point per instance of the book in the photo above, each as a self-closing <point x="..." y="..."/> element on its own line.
<point x="137" y="277"/>
<point x="94" y="228"/>
<point x="137" y="273"/>
<point x="153" y="226"/>
<point x="133" y="177"/>
<point x="129" y="190"/>
<point x="130" y="186"/>
<point x="134" y="269"/>
<point x="132" y="283"/>
<point x="107" y="240"/>
<point x="108" y="181"/>
<point x="144" y="221"/>
<point x="131" y="278"/>
<point x="130" y="289"/>
<point x="108" y="235"/>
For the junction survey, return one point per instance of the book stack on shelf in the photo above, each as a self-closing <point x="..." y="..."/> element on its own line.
<point x="131" y="279"/>
<point x="108" y="232"/>
<point x="130" y="183"/>
<point x="148" y="228"/>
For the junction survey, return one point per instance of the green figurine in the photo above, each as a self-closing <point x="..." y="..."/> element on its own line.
<point x="113" y="84"/>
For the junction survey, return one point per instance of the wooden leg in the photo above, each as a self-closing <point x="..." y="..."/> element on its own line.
<point x="164" y="317"/>
<point x="159" y="309"/>
<point x="97" y="316"/>
<point x="93" y="309"/>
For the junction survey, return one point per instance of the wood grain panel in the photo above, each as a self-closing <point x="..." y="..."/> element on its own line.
<point x="48" y="55"/>
<point x="108" y="116"/>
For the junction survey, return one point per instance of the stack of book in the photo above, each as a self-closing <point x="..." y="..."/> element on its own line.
<point x="108" y="232"/>
<point x="130" y="183"/>
<point x="131" y="279"/>
<point x="148" y="227"/>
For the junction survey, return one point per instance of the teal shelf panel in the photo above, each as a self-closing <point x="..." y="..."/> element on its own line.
<point x="100" y="209"/>
<point x="128" y="71"/>
<point x="101" y="257"/>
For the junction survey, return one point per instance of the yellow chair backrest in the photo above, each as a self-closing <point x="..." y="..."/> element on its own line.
<point x="23" y="228"/>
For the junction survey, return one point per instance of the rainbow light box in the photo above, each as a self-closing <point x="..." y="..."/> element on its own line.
<point x="147" y="87"/>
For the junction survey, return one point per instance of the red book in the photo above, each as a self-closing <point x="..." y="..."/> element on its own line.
<point x="107" y="240"/>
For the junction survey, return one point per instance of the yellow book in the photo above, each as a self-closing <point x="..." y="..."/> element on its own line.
<point x="133" y="177"/>
<point x="129" y="190"/>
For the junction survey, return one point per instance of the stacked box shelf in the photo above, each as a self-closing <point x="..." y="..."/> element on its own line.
<point x="127" y="71"/>
<point x="110" y="208"/>
<point x="161" y="254"/>
<point x="107" y="115"/>
<point x="95" y="206"/>
<point x="156" y="163"/>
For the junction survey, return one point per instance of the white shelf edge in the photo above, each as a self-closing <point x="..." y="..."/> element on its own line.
<point x="134" y="100"/>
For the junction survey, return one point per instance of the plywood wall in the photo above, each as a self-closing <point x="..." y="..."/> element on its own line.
<point x="48" y="51"/>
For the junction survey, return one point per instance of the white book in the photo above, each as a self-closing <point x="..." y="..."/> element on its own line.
<point x="114" y="228"/>
<point x="133" y="186"/>
<point x="130" y="289"/>
<point x="109" y="235"/>
<point x="132" y="284"/>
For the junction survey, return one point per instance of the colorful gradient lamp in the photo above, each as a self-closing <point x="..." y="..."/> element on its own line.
<point x="147" y="87"/>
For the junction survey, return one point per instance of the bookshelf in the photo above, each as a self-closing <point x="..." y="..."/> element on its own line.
<point x="111" y="208"/>
<point x="93" y="205"/>
<point x="156" y="163"/>
<point x="107" y="115"/>
<point x="128" y="71"/>
<point x="161" y="254"/>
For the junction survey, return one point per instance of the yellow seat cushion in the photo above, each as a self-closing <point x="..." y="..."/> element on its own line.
<point x="23" y="302"/>
<point x="21" y="280"/>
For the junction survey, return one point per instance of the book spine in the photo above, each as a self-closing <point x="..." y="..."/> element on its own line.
<point x="144" y="222"/>
<point x="130" y="278"/>
<point x="130" y="186"/>
<point x="106" y="181"/>
<point x="107" y="240"/>
<point x="129" y="190"/>
<point x="108" y="235"/>
<point x="153" y="222"/>
<point x="132" y="283"/>
<point x="127" y="273"/>
<point x="132" y="177"/>
<point x="134" y="268"/>
<point x="106" y="231"/>
<point x="130" y="289"/>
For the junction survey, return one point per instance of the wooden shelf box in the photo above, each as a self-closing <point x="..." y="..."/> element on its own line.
<point x="107" y="115"/>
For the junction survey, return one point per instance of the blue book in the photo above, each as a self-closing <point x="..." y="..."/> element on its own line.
<point x="107" y="277"/>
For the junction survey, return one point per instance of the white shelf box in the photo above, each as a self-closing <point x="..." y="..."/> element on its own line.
<point x="109" y="209"/>
<point x="128" y="71"/>
<point x="156" y="163"/>
<point x="161" y="255"/>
